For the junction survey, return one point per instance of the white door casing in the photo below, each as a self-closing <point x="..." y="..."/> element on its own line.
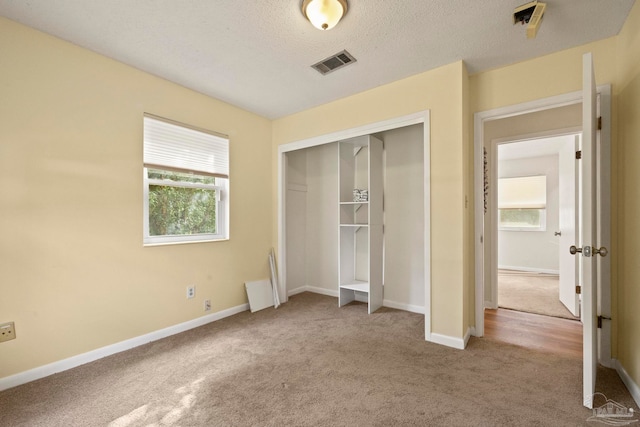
<point x="483" y="259"/>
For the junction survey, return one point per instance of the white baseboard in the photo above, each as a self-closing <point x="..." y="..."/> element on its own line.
<point x="359" y="297"/>
<point x="402" y="306"/>
<point x="453" y="342"/>
<point x="632" y="386"/>
<point x="81" y="359"/>
<point x="491" y="305"/>
<point x="297" y="291"/>
<point x="322" y="291"/>
<point x="471" y="332"/>
<point x="529" y="269"/>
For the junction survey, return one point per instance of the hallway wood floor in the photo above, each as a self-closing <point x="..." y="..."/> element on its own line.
<point x="552" y="334"/>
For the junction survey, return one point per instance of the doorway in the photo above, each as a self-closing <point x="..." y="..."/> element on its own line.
<point x="538" y="210"/>
<point x="536" y="118"/>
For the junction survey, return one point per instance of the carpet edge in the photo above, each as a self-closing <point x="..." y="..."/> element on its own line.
<point x="93" y="355"/>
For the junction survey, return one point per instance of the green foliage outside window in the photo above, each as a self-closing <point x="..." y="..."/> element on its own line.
<point x="520" y="218"/>
<point x="175" y="210"/>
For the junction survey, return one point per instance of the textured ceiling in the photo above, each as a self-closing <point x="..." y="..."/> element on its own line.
<point x="257" y="54"/>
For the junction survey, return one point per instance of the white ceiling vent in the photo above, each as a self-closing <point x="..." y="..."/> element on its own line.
<point x="334" y="62"/>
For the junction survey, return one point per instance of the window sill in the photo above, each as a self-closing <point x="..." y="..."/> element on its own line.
<point x="186" y="242"/>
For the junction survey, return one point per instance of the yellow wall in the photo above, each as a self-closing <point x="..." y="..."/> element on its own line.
<point x="628" y="212"/>
<point x="443" y="92"/>
<point x="75" y="276"/>
<point x="542" y="77"/>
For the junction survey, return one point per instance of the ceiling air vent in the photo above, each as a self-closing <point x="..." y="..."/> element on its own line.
<point x="334" y="62"/>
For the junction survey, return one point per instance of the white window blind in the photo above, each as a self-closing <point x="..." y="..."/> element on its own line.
<point x="527" y="192"/>
<point x="182" y="148"/>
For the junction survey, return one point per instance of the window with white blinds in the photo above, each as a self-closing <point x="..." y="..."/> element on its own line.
<point x="526" y="192"/>
<point x="522" y="203"/>
<point x="168" y="145"/>
<point x="186" y="177"/>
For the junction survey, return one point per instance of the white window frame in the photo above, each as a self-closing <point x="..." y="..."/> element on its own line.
<point x="221" y="188"/>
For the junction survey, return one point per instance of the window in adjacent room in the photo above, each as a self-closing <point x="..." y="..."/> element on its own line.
<point x="522" y="203"/>
<point x="186" y="183"/>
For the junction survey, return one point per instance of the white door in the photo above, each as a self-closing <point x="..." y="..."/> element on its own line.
<point x="588" y="229"/>
<point x="567" y="178"/>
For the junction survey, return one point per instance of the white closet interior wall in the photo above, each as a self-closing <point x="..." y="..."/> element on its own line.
<point x="312" y="206"/>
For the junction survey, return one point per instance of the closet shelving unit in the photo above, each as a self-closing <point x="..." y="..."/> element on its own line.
<point x="361" y="228"/>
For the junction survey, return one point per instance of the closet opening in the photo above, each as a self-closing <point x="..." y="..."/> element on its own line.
<point x="378" y="237"/>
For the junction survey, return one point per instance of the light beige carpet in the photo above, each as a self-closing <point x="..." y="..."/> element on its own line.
<point x="531" y="292"/>
<point x="310" y="363"/>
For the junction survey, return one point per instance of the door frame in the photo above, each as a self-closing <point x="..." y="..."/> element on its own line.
<point x="421" y="117"/>
<point x="493" y="199"/>
<point x="604" y="205"/>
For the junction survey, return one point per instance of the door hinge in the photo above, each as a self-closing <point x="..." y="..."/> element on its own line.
<point x="578" y="289"/>
<point x="600" y="319"/>
<point x="578" y="155"/>
<point x="600" y="123"/>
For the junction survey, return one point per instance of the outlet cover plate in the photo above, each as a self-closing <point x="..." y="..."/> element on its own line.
<point x="7" y="331"/>
<point x="191" y="291"/>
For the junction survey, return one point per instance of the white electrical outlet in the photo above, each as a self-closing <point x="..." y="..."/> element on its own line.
<point x="207" y="305"/>
<point x="7" y="331"/>
<point x="191" y="291"/>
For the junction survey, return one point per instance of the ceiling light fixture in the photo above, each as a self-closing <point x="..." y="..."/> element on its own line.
<point x="324" y="14"/>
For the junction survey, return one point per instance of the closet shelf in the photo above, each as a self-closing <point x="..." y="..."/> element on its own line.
<point x="360" y="241"/>
<point x="356" y="286"/>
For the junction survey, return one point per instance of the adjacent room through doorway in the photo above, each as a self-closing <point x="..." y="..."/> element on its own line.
<point x="536" y="204"/>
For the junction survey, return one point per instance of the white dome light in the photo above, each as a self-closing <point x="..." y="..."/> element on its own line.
<point x="324" y="14"/>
